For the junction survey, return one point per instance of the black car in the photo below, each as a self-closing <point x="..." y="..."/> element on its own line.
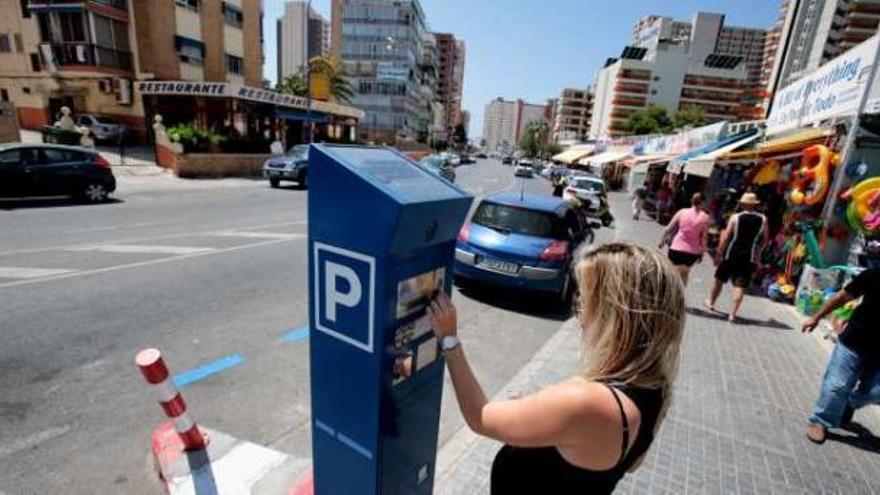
<point x="507" y="160"/>
<point x="482" y="155"/>
<point x="54" y="170"/>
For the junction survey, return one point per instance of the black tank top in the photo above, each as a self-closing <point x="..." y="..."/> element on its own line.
<point x="749" y="227"/>
<point x="543" y="470"/>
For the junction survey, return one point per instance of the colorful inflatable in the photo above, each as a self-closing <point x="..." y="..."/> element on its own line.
<point x="811" y="181"/>
<point x="863" y="211"/>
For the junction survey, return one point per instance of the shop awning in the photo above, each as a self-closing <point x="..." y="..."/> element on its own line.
<point x="606" y="157"/>
<point x="680" y="161"/>
<point x="574" y="154"/>
<point x="640" y="159"/>
<point x="793" y="142"/>
<point x="293" y="114"/>
<point x="702" y="166"/>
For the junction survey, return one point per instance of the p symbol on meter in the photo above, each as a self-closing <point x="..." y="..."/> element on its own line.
<point x="344" y="283"/>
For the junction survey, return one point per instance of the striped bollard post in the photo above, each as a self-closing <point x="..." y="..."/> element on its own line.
<point x="153" y="368"/>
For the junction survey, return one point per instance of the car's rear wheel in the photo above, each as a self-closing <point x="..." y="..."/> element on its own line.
<point x="304" y="180"/>
<point x="274" y="182"/>
<point x="95" y="192"/>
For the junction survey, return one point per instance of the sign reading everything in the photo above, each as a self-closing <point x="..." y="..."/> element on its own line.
<point x="345" y="291"/>
<point x="835" y="89"/>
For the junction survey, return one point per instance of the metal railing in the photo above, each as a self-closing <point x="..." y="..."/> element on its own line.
<point x="89" y="54"/>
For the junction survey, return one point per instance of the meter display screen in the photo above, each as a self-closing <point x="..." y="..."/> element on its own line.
<point x="408" y="181"/>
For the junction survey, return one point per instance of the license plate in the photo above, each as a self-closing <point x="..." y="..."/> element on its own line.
<point x="499" y="266"/>
<point x="274" y="173"/>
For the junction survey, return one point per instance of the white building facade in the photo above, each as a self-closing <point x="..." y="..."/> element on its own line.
<point x="302" y="34"/>
<point x="504" y="122"/>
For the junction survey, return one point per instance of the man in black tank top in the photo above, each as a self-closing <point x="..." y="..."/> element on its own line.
<point x="741" y="242"/>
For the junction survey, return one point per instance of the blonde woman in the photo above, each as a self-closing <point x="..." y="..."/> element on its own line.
<point x="584" y="434"/>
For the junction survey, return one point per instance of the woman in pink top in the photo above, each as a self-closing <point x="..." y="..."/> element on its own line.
<point x="691" y="226"/>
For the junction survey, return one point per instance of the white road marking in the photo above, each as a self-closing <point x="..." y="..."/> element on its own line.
<point x="32" y="440"/>
<point x="235" y="473"/>
<point x="142" y="263"/>
<point x="261" y="235"/>
<point x="142" y="249"/>
<point x="25" y="272"/>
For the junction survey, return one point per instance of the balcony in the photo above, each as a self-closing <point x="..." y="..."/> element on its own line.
<point x="622" y="101"/>
<point x="634" y="74"/>
<point x="87" y="54"/>
<point x="638" y="89"/>
<point x="45" y="5"/>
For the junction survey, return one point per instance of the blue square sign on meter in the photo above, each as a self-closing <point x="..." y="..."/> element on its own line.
<point x="382" y="233"/>
<point x="345" y="283"/>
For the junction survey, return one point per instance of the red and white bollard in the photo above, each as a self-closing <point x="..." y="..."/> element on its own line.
<point x="156" y="373"/>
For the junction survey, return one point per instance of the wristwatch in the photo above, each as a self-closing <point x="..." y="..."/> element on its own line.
<point x="449" y="343"/>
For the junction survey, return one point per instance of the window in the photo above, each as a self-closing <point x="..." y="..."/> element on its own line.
<point x="234" y="65"/>
<point x="233" y="15"/>
<point x="36" y="66"/>
<point x="53" y="155"/>
<point x="19" y="45"/>
<point x="4" y="43"/>
<point x="190" y="4"/>
<point x="519" y="220"/>
<point x="10" y="157"/>
<point x="25" y="12"/>
<point x="4" y="95"/>
<point x="110" y="33"/>
<point x="189" y="50"/>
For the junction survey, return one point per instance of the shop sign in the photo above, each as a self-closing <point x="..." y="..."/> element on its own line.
<point x="833" y="90"/>
<point x="684" y="141"/>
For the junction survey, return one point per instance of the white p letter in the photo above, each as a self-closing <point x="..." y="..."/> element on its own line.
<point x="332" y="297"/>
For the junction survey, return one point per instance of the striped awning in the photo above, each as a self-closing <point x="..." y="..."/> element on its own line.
<point x="573" y="154"/>
<point x="790" y="143"/>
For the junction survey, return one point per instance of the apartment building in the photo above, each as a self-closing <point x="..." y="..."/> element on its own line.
<point x="707" y="34"/>
<point x="89" y="54"/>
<point x="571" y="115"/>
<point x="815" y="31"/>
<point x="672" y="74"/>
<point x="450" y="82"/>
<point x="504" y="122"/>
<point x="302" y="34"/>
<point x="391" y="59"/>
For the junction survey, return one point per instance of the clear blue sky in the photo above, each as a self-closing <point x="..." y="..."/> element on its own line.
<point x="531" y="49"/>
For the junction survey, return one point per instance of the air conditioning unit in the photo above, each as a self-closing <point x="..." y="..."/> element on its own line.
<point x="122" y="87"/>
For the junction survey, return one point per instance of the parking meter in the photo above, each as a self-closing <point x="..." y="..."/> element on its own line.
<point x="382" y="233"/>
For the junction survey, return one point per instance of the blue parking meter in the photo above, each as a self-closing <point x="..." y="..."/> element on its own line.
<point x="382" y="233"/>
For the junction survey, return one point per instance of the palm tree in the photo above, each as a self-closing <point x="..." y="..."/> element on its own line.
<point x="341" y="89"/>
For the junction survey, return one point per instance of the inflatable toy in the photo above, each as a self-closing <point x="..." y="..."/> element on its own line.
<point x="811" y="181"/>
<point x="863" y="211"/>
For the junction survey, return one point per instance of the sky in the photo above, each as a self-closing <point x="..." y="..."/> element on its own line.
<point x="531" y="49"/>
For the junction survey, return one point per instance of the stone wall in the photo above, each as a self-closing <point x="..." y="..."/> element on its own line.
<point x="216" y="165"/>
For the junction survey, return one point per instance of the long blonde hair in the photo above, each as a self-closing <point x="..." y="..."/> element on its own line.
<point x="632" y="309"/>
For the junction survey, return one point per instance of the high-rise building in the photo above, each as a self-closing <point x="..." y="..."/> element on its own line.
<point x="673" y="73"/>
<point x="771" y="49"/>
<point x="87" y="55"/>
<point x="571" y="116"/>
<point x="450" y="82"/>
<point x="391" y="60"/>
<point x="504" y="122"/>
<point x="302" y="34"/>
<point x="706" y="34"/>
<point x="815" y="31"/>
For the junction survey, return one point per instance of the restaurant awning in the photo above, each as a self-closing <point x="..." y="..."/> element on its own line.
<point x="605" y="157"/>
<point x="702" y="165"/>
<point x="295" y="114"/>
<point x="574" y="154"/>
<point x="791" y="143"/>
<point x="680" y="161"/>
<point x="640" y="159"/>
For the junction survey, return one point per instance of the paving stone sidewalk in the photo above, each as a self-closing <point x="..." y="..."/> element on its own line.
<point x="737" y="421"/>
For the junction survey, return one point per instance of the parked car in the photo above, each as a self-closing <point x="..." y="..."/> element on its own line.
<point x="482" y="156"/>
<point x="521" y="241"/>
<point x="102" y="128"/>
<point x="439" y="165"/>
<point x="466" y="159"/>
<point x="524" y="169"/>
<point x="585" y="188"/>
<point x="291" y="166"/>
<point x="507" y="160"/>
<point x="54" y="170"/>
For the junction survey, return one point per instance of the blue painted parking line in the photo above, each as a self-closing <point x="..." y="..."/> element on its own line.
<point x="200" y="373"/>
<point x="296" y="335"/>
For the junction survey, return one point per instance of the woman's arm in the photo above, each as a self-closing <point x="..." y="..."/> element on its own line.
<point x="541" y="419"/>
<point x="670" y="228"/>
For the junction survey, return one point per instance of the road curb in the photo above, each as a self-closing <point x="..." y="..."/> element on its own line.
<point x="464" y="439"/>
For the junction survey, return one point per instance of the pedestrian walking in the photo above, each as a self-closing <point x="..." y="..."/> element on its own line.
<point x="639" y="195"/>
<point x="689" y="230"/>
<point x="558" y="185"/>
<point x="855" y="359"/>
<point x="742" y="240"/>
<point x="584" y="434"/>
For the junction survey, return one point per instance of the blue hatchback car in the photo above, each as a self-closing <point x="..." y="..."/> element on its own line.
<point x="520" y="241"/>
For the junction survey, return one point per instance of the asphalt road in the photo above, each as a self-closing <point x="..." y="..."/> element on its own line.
<point x="214" y="276"/>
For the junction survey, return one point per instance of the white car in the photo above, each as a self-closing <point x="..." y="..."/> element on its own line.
<point x="585" y="188"/>
<point x="524" y="169"/>
<point x="102" y="128"/>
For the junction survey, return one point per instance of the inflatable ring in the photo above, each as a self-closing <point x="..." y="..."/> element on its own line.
<point x="813" y="178"/>
<point x="863" y="198"/>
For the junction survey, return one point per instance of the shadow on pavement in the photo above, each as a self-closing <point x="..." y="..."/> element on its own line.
<point x="202" y="474"/>
<point x="53" y="202"/>
<point x="862" y="439"/>
<point x="520" y="301"/>
<point x="771" y="323"/>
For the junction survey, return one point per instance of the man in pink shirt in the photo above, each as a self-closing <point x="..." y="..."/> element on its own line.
<point x="689" y="228"/>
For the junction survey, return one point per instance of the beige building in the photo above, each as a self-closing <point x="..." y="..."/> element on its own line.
<point x="301" y="34"/>
<point x="504" y="122"/>
<point x="91" y="54"/>
<point x="571" y="116"/>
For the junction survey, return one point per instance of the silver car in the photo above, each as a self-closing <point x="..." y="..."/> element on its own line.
<point x="291" y="166"/>
<point x="102" y="128"/>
